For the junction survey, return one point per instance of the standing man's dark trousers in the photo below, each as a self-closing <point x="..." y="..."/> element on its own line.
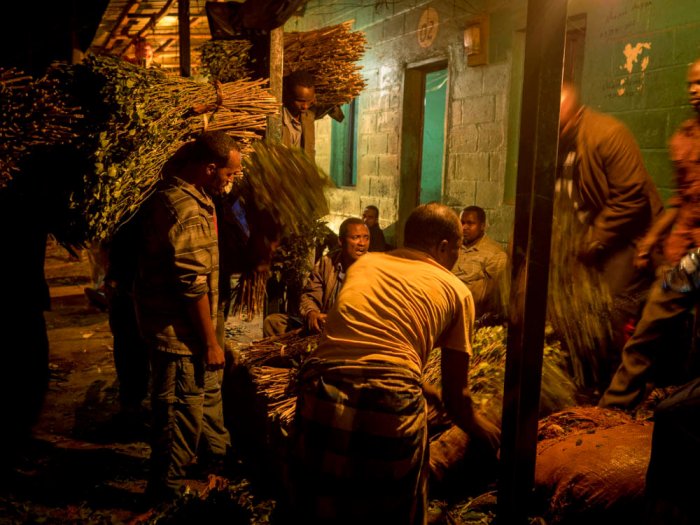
<point x="629" y="288"/>
<point x="672" y="483"/>
<point x="130" y="353"/>
<point x="186" y="406"/>
<point x="656" y="338"/>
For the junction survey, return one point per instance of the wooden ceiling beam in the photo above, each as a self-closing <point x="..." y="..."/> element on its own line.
<point x="150" y="25"/>
<point x="128" y="8"/>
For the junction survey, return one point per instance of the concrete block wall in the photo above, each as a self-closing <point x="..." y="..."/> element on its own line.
<point x="474" y="161"/>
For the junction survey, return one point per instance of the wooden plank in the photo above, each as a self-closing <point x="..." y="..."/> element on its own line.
<point x="537" y="160"/>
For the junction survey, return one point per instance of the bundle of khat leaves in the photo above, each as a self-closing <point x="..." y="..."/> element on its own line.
<point x="227" y="60"/>
<point x="487" y="373"/>
<point x="136" y="118"/>
<point x="579" y="305"/>
<point x="288" y="188"/>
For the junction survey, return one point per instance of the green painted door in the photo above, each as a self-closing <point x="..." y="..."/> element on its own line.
<point x="433" y="136"/>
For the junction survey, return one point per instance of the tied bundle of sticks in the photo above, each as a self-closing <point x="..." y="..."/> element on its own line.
<point x="139" y="118"/>
<point x="287" y="185"/>
<point x="487" y="372"/>
<point x="290" y="348"/>
<point x="331" y="54"/>
<point x="33" y="114"/>
<point x="276" y="386"/>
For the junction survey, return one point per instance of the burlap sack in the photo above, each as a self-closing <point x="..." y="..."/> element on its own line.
<point x="596" y="476"/>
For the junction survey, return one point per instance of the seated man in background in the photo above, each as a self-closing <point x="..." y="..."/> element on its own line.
<point x="481" y="264"/>
<point x="370" y="216"/>
<point x="324" y="283"/>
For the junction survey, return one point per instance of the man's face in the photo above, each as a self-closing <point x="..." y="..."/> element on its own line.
<point x="301" y="100"/>
<point x="694" y="86"/>
<point x="472" y="228"/>
<point x="355" y="243"/>
<point x="369" y="217"/>
<point x="221" y="178"/>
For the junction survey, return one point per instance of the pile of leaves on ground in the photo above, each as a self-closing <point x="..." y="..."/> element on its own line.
<point x="487" y="372"/>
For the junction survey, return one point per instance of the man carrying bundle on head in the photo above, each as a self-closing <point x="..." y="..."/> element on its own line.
<point x="299" y="112"/>
<point x="176" y="297"/>
<point x="359" y="443"/>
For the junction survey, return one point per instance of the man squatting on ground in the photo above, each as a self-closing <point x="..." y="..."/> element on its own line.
<point x="324" y="283"/>
<point x="176" y="290"/>
<point x="360" y="437"/>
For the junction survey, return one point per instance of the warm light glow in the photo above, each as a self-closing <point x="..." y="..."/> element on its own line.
<point x="168" y="21"/>
<point x="472" y="39"/>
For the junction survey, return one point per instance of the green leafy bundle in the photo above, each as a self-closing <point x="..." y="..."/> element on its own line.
<point x="579" y="305"/>
<point x="487" y="373"/>
<point x="137" y="118"/>
<point x="226" y="60"/>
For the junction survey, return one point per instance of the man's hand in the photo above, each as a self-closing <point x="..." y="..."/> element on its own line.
<point x="214" y="358"/>
<point x="644" y="248"/>
<point x="315" y="321"/>
<point x="591" y="254"/>
<point x="485" y="432"/>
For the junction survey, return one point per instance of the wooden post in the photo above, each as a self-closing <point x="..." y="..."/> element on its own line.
<point x="537" y="161"/>
<point x="274" y="122"/>
<point x="183" y="23"/>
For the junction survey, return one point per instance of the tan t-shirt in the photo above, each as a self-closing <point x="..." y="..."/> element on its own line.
<point x="396" y="307"/>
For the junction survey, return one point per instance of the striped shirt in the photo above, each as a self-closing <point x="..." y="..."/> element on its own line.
<point x="178" y="263"/>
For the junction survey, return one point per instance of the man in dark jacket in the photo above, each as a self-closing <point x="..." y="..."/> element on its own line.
<point x="603" y="178"/>
<point x="324" y="283"/>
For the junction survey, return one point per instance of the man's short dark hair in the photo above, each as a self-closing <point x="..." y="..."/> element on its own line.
<point x="299" y="78"/>
<point x="374" y="209"/>
<point x="429" y="224"/>
<point x="213" y="146"/>
<point x="345" y="226"/>
<point x="480" y="213"/>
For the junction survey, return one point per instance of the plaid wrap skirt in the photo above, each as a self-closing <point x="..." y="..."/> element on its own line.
<point x="359" y="445"/>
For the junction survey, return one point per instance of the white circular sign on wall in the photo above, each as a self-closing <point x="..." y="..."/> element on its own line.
<point x="427" y="27"/>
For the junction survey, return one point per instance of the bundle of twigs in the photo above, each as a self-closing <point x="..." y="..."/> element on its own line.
<point x="33" y="113"/>
<point x="276" y="385"/>
<point x="331" y="54"/>
<point x="579" y="304"/>
<point x="292" y="346"/>
<point x="487" y="371"/>
<point x="249" y="294"/>
<point x="138" y="118"/>
<point x="226" y="60"/>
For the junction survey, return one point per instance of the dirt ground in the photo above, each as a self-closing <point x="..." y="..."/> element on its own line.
<point x="80" y="467"/>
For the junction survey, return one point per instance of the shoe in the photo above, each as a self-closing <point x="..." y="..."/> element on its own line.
<point x="97" y="298"/>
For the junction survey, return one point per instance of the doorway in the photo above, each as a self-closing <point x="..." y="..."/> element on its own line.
<point x="422" y="137"/>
